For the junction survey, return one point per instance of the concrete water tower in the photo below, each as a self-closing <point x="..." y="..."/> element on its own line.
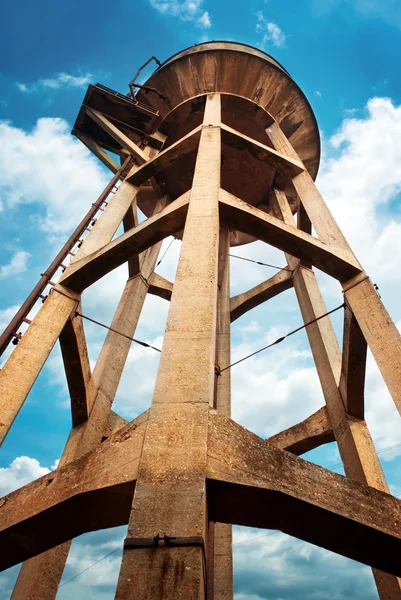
<point x="219" y="147"/>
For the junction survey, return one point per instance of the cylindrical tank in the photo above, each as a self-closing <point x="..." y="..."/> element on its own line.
<point x="255" y="88"/>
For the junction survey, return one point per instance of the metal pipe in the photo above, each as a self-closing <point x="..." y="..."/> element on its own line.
<point x="148" y="89"/>
<point x="16" y="322"/>
<point x="132" y="82"/>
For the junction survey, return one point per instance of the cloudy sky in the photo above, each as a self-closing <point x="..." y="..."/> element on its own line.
<point x="345" y="54"/>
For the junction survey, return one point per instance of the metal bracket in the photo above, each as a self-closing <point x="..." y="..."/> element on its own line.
<point x="133" y="85"/>
<point x="170" y="541"/>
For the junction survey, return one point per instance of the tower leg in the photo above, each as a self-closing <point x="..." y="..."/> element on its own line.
<point x="353" y="438"/>
<point x="28" y="358"/>
<point x="222" y="532"/>
<point x="380" y="332"/>
<point x="40" y="576"/>
<point x="170" y="493"/>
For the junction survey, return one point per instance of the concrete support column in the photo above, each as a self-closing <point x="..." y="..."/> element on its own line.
<point x="40" y="576"/>
<point x="170" y="493"/>
<point x="223" y="388"/>
<point x="353" y="438"/>
<point x="25" y="363"/>
<point x="222" y="566"/>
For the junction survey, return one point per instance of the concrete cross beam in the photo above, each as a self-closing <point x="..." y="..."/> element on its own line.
<point x="249" y="482"/>
<point x="242" y="303"/>
<point x="89" y="269"/>
<point x="310" y="433"/>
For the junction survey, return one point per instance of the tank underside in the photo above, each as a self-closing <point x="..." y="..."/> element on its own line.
<point x="256" y="91"/>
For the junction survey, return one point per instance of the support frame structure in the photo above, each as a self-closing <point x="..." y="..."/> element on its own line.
<point x="184" y="469"/>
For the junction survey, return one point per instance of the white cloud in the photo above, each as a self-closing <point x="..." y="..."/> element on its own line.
<point x="23" y="88"/>
<point x="362" y="179"/>
<point x="187" y="10"/>
<point x="204" y="20"/>
<point x="271" y="32"/>
<point x="21" y="471"/>
<point x="66" y="80"/>
<point x="252" y="327"/>
<point x="6" y="314"/>
<point x="51" y="169"/>
<point x="61" y="80"/>
<point x="275" y="389"/>
<point x="277" y="566"/>
<point x="318" y="94"/>
<point x="17" y="264"/>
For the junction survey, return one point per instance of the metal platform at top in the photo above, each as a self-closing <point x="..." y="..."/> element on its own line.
<point x="133" y="117"/>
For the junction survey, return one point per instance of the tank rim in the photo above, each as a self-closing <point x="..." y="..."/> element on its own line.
<point x="275" y="64"/>
<point x="224" y="42"/>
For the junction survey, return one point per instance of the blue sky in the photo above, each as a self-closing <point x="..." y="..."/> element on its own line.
<point x="345" y="55"/>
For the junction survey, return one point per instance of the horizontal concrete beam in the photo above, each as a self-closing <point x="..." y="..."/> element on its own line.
<point x="252" y="483"/>
<point x="117" y="422"/>
<point x="82" y="273"/>
<point x="337" y="262"/>
<point x="242" y="303"/>
<point x="159" y="286"/>
<point x="165" y="158"/>
<point x="283" y="164"/>
<point x="249" y="482"/>
<point x="305" y="436"/>
<point x="93" y="492"/>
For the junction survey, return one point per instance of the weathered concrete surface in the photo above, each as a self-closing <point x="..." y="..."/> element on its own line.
<point x="220" y="66"/>
<point x="171" y="495"/>
<point x="159" y="286"/>
<point x="353" y="366"/>
<point x="94" y="266"/>
<point x="39" y="577"/>
<point x="165" y="158"/>
<point x="305" y="436"/>
<point x="24" y="365"/>
<point x="354" y="441"/>
<point x="92" y="493"/>
<point x="254" y="484"/>
<point x="220" y="544"/>
<point x="262" y="292"/>
<point x="76" y="366"/>
<point x="337" y="262"/>
<point x="379" y="330"/>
